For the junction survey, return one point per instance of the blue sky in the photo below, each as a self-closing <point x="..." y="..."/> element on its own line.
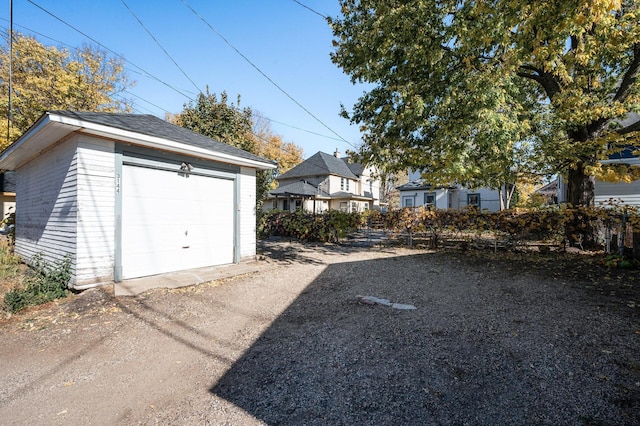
<point x="286" y="41"/>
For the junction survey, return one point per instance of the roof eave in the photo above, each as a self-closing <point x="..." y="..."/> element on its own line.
<point x="49" y="122"/>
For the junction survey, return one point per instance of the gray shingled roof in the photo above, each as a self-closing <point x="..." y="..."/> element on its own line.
<point x="414" y="184"/>
<point x="300" y="188"/>
<point x="350" y="196"/>
<point x="153" y="126"/>
<point x="356" y="168"/>
<point x="320" y="164"/>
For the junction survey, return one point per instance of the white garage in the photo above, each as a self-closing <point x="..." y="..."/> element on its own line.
<point x="127" y="196"/>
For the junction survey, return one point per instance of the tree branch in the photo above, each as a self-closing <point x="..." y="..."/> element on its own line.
<point x="630" y="76"/>
<point x="546" y="80"/>
<point x="634" y="127"/>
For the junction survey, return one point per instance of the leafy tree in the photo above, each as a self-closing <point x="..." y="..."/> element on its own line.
<point x="50" y="78"/>
<point x="461" y="87"/>
<point x="219" y="119"/>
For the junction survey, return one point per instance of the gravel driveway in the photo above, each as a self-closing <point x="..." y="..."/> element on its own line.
<point x="495" y="339"/>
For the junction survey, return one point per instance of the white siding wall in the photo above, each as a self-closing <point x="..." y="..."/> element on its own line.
<point x="46" y="205"/>
<point x="489" y="198"/>
<point x="442" y="198"/>
<point x="627" y="192"/>
<point x="247" y="211"/>
<point x="96" y="210"/>
<point x="334" y="185"/>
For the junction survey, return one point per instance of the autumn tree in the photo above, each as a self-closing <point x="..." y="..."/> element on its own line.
<point x="49" y="78"/>
<point x="460" y="87"/>
<point x="269" y="145"/>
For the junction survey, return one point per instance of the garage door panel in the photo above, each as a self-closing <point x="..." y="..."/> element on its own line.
<point x="173" y="222"/>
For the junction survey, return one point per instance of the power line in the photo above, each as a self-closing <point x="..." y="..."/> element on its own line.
<point x="263" y="74"/>
<point x="148" y="74"/>
<point x="106" y="48"/>
<point x="61" y="43"/>
<point x="143" y="73"/>
<point x="312" y="10"/>
<point x="149" y="102"/>
<point x="160" y="45"/>
<point x="297" y="128"/>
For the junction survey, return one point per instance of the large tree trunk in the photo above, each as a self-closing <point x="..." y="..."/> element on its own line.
<point x="580" y="187"/>
<point x="580" y="231"/>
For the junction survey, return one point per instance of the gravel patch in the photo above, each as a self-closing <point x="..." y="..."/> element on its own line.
<point x="494" y="339"/>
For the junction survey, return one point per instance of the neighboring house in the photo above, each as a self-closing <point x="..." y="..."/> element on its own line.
<point x="323" y="182"/>
<point x="621" y="192"/>
<point x="417" y="193"/>
<point x="616" y="192"/>
<point x="7" y="193"/>
<point x="126" y="196"/>
<point x="549" y="191"/>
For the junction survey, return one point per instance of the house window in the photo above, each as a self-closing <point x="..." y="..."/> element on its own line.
<point x="298" y="204"/>
<point x="341" y="184"/>
<point x="473" y="200"/>
<point x="371" y="187"/>
<point x="354" y="206"/>
<point x="344" y="206"/>
<point x="275" y="204"/>
<point x="347" y="184"/>
<point x="430" y="199"/>
<point x="407" y="201"/>
<point x="285" y="205"/>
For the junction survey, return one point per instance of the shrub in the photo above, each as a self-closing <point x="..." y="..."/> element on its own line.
<point x="324" y="227"/>
<point x="45" y="284"/>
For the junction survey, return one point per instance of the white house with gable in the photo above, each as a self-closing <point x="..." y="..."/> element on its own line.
<point x="417" y="193"/>
<point x="325" y="182"/>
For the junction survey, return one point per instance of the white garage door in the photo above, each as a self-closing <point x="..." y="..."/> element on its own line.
<point x="172" y="222"/>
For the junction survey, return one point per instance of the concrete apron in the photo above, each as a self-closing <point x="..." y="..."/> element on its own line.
<point x="135" y="286"/>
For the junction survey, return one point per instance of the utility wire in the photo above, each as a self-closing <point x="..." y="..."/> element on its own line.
<point x="297" y="128"/>
<point x="263" y="74"/>
<point x="144" y="73"/>
<point x="312" y="10"/>
<point x="148" y="74"/>
<point x="111" y="51"/>
<point x="61" y="43"/>
<point x="149" y="102"/>
<point x="160" y="46"/>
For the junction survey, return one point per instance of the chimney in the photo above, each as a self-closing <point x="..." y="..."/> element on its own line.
<point x="336" y="153"/>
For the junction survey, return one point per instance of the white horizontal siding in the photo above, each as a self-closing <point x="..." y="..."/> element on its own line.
<point x="629" y="193"/>
<point x="46" y="205"/>
<point x="247" y="212"/>
<point x="96" y="210"/>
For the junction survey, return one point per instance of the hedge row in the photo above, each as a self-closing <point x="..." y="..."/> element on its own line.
<point x="557" y="224"/>
<point x="325" y="227"/>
